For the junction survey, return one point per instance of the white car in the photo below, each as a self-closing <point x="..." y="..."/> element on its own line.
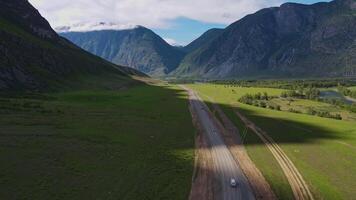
<point x="233" y="182"/>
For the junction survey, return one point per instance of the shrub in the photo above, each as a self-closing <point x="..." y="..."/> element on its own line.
<point x="293" y="110"/>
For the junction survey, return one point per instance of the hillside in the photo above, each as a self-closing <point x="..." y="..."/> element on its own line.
<point x="34" y="57"/>
<point x="139" y="48"/>
<point x="293" y="40"/>
<point x="204" y="39"/>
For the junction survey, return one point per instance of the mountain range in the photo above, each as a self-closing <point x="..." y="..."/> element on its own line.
<point x="35" y="57"/>
<point x="290" y="41"/>
<point x="293" y="40"/>
<point x="138" y="47"/>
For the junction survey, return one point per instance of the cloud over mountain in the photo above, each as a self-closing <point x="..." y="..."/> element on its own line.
<point x="150" y="13"/>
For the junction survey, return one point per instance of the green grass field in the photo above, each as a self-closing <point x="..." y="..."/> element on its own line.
<point x="322" y="149"/>
<point x="135" y="143"/>
<point x="353" y="88"/>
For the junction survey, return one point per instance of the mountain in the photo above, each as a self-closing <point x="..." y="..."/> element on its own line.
<point x="139" y="48"/>
<point x="292" y="40"/>
<point x="35" y="57"/>
<point x="204" y="39"/>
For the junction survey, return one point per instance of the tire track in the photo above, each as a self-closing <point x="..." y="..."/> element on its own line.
<point x="299" y="187"/>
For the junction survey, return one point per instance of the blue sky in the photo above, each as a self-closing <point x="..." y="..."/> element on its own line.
<point x="184" y="30"/>
<point x="177" y="21"/>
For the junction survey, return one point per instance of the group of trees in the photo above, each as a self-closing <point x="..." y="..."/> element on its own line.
<point x="302" y="93"/>
<point x="260" y="100"/>
<point x="249" y="98"/>
<point x="323" y="114"/>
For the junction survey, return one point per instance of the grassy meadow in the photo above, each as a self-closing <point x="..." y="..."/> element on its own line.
<point x="322" y="149"/>
<point x="135" y="143"/>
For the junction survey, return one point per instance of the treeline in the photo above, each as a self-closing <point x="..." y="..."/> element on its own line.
<point x="288" y="84"/>
<point x="323" y="114"/>
<point x="262" y="100"/>
<point x="302" y="93"/>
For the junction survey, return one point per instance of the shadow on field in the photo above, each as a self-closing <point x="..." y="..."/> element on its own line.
<point x="129" y="143"/>
<point x="287" y="131"/>
<point x="282" y="129"/>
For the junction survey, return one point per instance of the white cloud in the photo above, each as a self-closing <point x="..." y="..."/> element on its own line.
<point x="149" y="13"/>
<point x="93" y="26"/>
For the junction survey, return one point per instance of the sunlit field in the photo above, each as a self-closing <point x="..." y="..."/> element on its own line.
<point x="323" y="149"/>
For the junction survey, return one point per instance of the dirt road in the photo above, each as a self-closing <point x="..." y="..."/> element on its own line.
<point x="234" y="141"/>
<point x="225" y="166"/>
<point x="299" y="187"/>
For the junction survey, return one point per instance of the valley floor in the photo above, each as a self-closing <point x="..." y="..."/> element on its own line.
<point x="136" y="143"/>
<point x="322" y="149"/>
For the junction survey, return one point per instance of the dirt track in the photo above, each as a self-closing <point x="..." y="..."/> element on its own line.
<point x="232" y="138"/>
<point x="299" y="187"/>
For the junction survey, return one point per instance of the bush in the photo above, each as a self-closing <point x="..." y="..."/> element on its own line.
<point x="293" y="110"/>
<point x="310" y="111"/>
<point x="263" y="104"/>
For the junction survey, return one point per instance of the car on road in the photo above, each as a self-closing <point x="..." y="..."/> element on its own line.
<point x="233" y="182"/>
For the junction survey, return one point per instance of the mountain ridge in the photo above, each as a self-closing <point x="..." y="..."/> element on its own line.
<point x="139" y="48"/>
<point x="291" y="40"/>
<point x="35" y="57"/>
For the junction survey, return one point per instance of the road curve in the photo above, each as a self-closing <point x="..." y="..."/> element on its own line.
<point x="225" y="165"/>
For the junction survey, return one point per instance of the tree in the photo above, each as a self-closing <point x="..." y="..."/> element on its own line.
<point x="265" y="96"/>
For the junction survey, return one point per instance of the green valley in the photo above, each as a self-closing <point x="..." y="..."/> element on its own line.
<point x="245" y="107"/>
<point x="135" y="143"/>
<point x="309" y="141"/>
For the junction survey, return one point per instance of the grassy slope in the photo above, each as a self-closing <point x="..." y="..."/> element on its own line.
<point x="132" y="144"/>
<point x="322" y="149"/>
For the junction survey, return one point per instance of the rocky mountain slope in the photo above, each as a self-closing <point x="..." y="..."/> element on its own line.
<point x="204" y="39"/>
<point x="139" y="48"/>
<point x="35" y="57"/>
<point x="293" y="40"/>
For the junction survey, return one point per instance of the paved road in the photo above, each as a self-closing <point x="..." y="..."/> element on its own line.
<point x="225" y="165"/>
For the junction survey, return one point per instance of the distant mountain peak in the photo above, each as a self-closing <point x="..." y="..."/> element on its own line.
<point x="139" y="48"/>
<point x="94" y="26"/>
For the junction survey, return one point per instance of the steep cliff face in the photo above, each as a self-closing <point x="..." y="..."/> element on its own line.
<point x="34" y="57"/>
<point x="291" y="40"/>
<point x="139" y="48"/>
